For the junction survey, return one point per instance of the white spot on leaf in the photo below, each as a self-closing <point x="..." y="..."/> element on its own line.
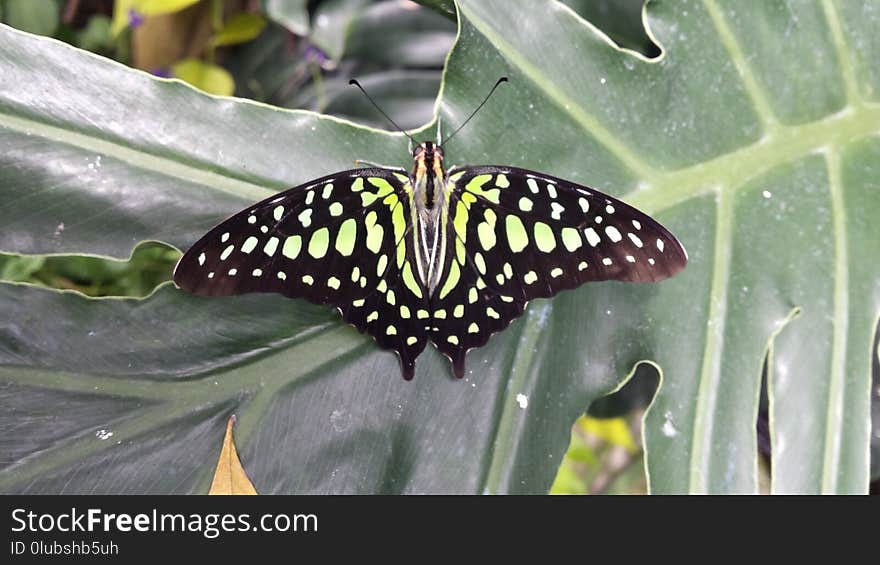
<point x="668" y="428"/>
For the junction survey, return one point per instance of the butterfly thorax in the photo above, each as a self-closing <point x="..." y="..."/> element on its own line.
<point x="428" y="176"/>
<point x="429" y="207"/>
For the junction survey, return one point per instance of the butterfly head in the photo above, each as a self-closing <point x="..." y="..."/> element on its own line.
<point x="429" y="152"/>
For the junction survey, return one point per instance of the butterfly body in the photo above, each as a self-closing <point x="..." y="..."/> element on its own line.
<point x="449" y="256"/>
<point x="430" y="205"/>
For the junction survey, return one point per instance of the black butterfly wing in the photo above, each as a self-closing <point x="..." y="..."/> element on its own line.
<point x="527" y="235"/>
<point x="337" y="240"/>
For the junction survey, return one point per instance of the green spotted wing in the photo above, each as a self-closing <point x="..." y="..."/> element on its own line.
<point x="338" y="240"/>
<point x="521" y="235"/>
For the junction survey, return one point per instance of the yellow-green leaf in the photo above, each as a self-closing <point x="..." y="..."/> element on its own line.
<point x="205" y="76"/>
<point x="157" y="7"/>
<point x="230" y="478"/>
<point x="239" y="29"/>
<point x="612" y="430"/>
<point x="122" y="10"/>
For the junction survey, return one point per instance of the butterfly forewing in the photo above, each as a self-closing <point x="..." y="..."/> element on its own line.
<point x="522" y="235"/>
<point x="338" y="240"/>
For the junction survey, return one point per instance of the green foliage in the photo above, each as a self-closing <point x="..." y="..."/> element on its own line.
<point x="150" y="265"/>
<point x="34" y="16"/>
<point x="96" y="36"/>
<point x="332" y="22"/>
<point x="292" y="14"/>
<point x="240" y="28"/>
<point x="396" y="52"/>
<point x="602" y="458"/>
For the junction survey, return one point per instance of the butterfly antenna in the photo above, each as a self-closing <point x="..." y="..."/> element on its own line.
<point x="474" y="113"/>
<point x="387" y="117"/>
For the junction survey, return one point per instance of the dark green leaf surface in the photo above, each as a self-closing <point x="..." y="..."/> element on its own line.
<point x="292" y="14"/>
<point x="445" y="7"/>
<point x="619" y="19"/>
<point x="766" y="172"/>
<point x="390" y="35"/>
<point x="332" y="22"/>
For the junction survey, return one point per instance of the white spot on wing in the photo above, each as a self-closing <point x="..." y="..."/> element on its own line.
<point x="533" y="185"/>
<point x="635" y="239"/>
<point x="613" y="234"/>
<point x="585" y="204"/>
<point x="522" y="400"/>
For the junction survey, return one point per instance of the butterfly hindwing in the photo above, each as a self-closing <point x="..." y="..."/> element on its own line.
<point x="522" y="235"/>
<point x="395" y="313"/>
<point x="466" y="311"/>
<point x="338" y="240"/>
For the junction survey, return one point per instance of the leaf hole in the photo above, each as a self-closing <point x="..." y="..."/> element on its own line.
<point x="150" y="264"/>
<point x="605" y="453"/>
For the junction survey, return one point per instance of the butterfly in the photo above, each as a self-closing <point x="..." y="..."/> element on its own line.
<point x="446" y="255"/>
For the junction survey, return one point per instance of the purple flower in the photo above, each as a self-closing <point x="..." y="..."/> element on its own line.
<point x="314" y="54"/>
<point x="163" y="72"/>
<point x="134" y="18"/>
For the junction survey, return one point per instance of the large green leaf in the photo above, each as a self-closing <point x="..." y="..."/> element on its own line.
<point x="753" y="137"/>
